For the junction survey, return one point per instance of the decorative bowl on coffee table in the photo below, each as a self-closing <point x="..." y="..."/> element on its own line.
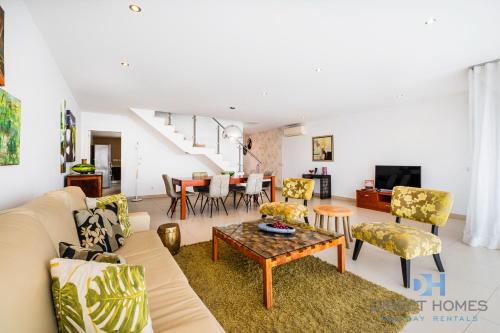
<point x="268" y="227"/>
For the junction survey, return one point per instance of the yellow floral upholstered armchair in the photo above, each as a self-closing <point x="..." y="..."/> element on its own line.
<point x="293" y="188"/>
<point x="422" y="205"/>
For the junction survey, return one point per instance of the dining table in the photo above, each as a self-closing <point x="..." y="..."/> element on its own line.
<point x="184" y="183"/>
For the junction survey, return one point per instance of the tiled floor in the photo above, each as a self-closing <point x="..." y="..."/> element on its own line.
<point x="472" y="274"/>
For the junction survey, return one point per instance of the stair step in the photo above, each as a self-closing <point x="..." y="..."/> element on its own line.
<point x="159" y="121"/>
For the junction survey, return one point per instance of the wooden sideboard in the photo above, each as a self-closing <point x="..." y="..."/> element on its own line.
<point x="91" y="184"/>
<point x="372" y="199"/>
<point x="325" y="184"/>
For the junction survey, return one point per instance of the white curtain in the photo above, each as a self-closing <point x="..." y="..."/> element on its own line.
<point x="482" y="227"/>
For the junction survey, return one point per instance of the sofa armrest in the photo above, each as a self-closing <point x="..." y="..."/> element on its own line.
<point x="139" y="221"/>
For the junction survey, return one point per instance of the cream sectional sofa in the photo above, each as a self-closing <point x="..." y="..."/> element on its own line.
<point x="29" y="238"/>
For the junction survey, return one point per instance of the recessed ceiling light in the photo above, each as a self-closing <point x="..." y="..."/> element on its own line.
<point x="232" y="107"/>
<point x="124" y="64"/>
<point x="265" y="93"/>
<point x="317" y="70"/>
<point x="430" y="21"/>
<point x="135" y="8"/>
<point x="401" y="95"/>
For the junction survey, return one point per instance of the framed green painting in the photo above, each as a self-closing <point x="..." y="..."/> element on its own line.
<point x="10" y="129"/>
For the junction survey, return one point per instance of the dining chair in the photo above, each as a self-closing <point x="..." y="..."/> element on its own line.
<point x="199" y="189"/>
<point x="176" y="196"/>
<point x="267" y="184"/>
<point x="252" y="190"/>
<point x="218" y="189"/>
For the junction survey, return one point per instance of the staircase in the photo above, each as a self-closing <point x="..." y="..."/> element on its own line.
<point x="160" y="121"/>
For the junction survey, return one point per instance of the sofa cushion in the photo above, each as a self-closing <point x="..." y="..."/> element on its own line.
<point x="76" y="197"/>
<point x="99" y="228"/>
<point x="402" y="240"/>
<point x="99" y="297"/>
<point x="25" y="251"/>
<point x="290" y="211"/>
<point x="175" y="307"/>
<point x="54" y="212"/>
<point x="146" y="248"/>
<point x="70" y="251"/>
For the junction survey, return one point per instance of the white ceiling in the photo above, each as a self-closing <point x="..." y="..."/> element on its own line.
<point x="201" y="56"/>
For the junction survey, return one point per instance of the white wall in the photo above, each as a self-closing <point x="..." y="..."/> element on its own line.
<point x="158" y="155"/>
<point x="33" y="77"/>
<point x="433" y="134"/>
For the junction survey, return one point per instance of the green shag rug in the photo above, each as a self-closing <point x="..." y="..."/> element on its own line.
<point x="309" y="295"/>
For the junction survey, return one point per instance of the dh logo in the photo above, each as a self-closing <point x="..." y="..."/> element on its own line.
<point x="427" y="285"/>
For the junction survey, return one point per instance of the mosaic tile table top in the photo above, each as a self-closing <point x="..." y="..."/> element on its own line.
<point x="270" y="245"/>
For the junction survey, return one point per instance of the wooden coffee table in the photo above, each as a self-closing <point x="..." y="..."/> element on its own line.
<point x="271" y="249"/>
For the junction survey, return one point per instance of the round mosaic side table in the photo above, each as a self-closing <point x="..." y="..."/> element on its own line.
<point x="170" y="236"/>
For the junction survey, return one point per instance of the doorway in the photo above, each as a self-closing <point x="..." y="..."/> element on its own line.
<point x="106" y="155"/>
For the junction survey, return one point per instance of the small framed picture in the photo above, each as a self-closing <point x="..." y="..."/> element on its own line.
<point x="322" y="148"/>
<point x="369" y="184"/>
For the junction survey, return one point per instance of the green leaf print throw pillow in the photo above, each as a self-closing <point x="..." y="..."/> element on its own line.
<point x="91" y="296"/>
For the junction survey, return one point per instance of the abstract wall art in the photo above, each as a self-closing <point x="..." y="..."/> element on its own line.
<point x="70" y="137"/>
<point x="322" y="147"/>
<point x="62" y="133"/>
<point x="10" y="129"/>
<point x="67" y="137"/>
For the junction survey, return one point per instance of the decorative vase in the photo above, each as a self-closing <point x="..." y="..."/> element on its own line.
<point x="170" y="236"/>
<point x="83" y="167"/>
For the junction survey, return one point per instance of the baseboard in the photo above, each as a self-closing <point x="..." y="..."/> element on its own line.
<point x="316" y="195"/>
<point x="353" y="200"/>
<point x="149" y="196"/>
<point x="336" y="197"/>
<point x="458" y="216"/>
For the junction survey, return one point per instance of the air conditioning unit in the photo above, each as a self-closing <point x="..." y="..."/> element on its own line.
<point x="294" y="130"/>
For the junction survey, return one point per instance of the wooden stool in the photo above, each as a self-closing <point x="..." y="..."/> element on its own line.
<point x="336" y="212"/>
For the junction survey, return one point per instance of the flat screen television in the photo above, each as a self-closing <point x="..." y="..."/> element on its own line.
<point x="388" y="176"/>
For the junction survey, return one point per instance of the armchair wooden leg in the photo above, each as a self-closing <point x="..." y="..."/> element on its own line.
<point x="439" y="264"/>
<point x="306" y="219"/>
<point x="405" y="267"/>
<point x="357" y="248"/>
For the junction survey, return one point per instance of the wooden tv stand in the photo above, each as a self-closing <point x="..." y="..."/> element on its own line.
<point x="371" y="199"/>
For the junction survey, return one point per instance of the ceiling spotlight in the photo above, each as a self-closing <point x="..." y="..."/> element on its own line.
<point x="317" y="70"/>
<point x="232" y="107"/>
<point x="401" y="95"/>
<point x="124" y="64"/>
<point x="430" y="21"/>
<point x="135" y="8"/>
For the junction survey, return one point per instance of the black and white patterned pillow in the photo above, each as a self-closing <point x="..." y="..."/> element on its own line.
<point x="70" y="251"/>
<point x="99" y="229"/>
